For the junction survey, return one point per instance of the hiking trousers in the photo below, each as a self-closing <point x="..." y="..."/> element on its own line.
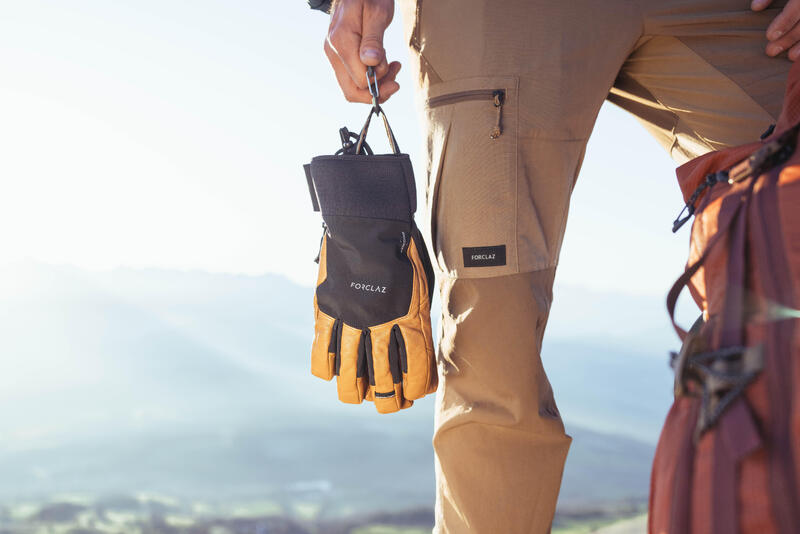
<point x="510" y="91"/>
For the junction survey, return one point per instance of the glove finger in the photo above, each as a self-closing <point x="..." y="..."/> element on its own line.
<point x="351" y="380"/>
<point x="323" y="349"/>
<point x="392" y="401"/>
<point x="418" y="357"/>
<point x="397" y="362"/>
<point x="421" y="375"/>
<point x="417" y="361"/>
<point x="385" y="375"/>
<point x="327" y="330"/>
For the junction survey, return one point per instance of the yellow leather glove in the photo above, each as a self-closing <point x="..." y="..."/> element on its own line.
<point x="375" y="283"/>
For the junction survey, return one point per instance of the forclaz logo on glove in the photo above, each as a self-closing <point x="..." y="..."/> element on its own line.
<point x="370" y="288"/>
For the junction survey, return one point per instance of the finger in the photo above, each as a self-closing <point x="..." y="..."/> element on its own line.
<point x="345" y="43"/>
<point x="351" y="381"/>
<point x="794" y="52"/>
<point x="784" y="22"/>
<point x="351" y="91"/>
<point x="385" y="377"/>
<point x="758" y="5"/>
<point x="391" y="72"/>
<point x="386" y="93"/>
<point x="388" y="86"/>
<point x="377" y="16"/>
<point x="784" y="43"/>
<point x="324" y="347"/>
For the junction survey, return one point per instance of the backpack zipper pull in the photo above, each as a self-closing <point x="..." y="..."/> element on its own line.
<point x="690" y="207"/>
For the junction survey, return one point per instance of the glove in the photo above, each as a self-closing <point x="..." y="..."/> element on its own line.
<point x="372" y="301"/>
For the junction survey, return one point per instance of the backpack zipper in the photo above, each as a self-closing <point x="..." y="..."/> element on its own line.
<point x="496" y="96"/>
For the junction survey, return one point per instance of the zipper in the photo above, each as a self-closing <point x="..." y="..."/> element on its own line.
<point x="496" y="96"/>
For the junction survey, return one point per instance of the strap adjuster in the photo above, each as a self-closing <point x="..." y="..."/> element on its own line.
<point x="718" y="377"/>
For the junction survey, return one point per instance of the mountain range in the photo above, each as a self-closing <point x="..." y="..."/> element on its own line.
<point x="197" y="385"/>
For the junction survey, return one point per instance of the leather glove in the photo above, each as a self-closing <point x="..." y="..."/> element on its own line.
<point x="375" y="283"/>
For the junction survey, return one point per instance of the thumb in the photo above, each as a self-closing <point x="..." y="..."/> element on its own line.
<point x="377" y="16"/>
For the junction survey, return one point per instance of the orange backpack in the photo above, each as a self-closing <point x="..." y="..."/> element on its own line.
<point x="728" y="459"/>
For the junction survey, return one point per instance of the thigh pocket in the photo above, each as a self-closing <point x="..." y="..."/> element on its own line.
<point x="473" y="175"/>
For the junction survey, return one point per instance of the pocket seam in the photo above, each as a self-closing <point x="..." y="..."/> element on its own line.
<point x="456" y="85"/>
<point x="434" y="183"/>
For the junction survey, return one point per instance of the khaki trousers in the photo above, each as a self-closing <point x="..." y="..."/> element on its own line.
<point x="511" y="92"/>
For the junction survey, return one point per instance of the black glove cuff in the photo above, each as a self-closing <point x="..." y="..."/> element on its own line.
<point x="378" y="187"/>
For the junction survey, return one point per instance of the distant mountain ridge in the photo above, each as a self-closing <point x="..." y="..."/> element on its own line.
<point x="190" y="382"/>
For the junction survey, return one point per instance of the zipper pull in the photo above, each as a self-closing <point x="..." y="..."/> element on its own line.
<point x="690" y="207"/>
<point x="403" y="243"/>
<point x="499" y="96"/>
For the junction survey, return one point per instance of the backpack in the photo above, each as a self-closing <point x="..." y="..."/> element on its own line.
<point x="728" y="458"/>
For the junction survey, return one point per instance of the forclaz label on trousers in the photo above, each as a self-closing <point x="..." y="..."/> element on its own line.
<point x="484" y="256"/>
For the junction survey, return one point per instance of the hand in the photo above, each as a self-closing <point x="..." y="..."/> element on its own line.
<point x="784" y="32"/>
<point x="355" y="40"/>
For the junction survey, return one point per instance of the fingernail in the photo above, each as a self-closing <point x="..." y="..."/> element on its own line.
<point x="370" y="53"/>
<point x="774" y="34"/>
<point x="774" y="50"/>
<point x="794" y="54"/>
<point x="758" y="4"/>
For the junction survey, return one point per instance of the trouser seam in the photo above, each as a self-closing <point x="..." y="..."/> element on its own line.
<point x="516" y="177"/>
<point x="563" y="431"/>
<point x="444" y="275"/>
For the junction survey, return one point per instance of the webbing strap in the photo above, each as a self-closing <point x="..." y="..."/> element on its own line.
<point x="311" y="190"/>
<point x="377" y="110"/>
<point x="731" y="207"/>
<point x="374" y="91"/>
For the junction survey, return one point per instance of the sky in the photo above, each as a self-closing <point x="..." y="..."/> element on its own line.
<point x="172" y="134"/>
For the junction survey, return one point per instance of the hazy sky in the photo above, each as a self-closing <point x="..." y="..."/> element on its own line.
<point x="172" y="134"/>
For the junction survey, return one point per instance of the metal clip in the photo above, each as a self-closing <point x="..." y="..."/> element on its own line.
<point x="372" y="85"/>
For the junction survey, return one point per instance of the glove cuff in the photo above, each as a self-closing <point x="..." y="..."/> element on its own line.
<point x="378" y="187"/>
